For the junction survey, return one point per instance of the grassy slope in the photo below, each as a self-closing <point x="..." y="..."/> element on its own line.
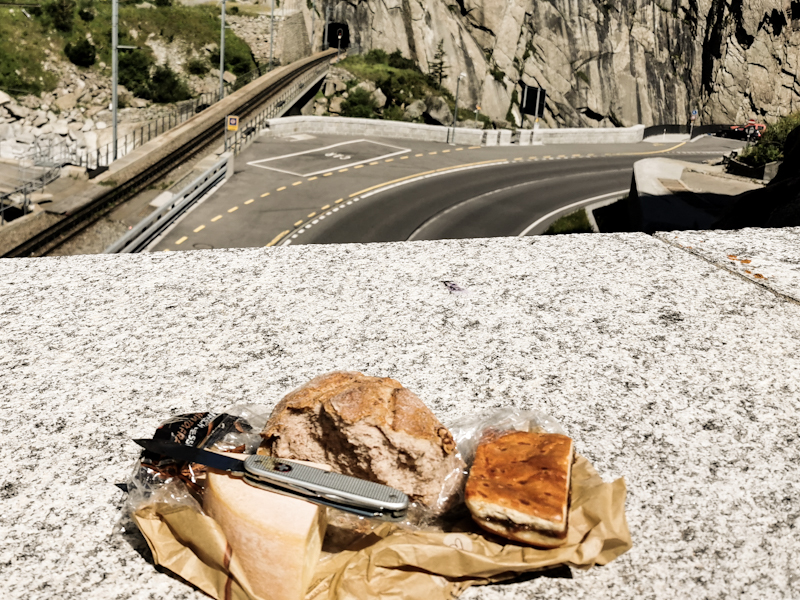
<point x="22" y="40"/>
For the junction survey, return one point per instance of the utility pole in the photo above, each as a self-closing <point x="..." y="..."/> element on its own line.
<point x="455" y="113"/>
<point x="114" y="70"/>
<point x="325" y="45"/>
<point x="271" y="32"/>
<point x="222" y="54"/>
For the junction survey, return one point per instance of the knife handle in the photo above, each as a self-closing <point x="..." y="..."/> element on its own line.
<point x="334" y="487"/>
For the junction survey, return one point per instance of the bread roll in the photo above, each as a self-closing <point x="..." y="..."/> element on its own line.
<point x="519" y="485"/>
<point x="368" y="427"/>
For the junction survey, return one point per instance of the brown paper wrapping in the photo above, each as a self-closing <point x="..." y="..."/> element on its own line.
<point x="400" y="564"/>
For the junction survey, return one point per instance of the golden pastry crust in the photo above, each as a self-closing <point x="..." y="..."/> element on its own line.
<point x="519" y="486"/>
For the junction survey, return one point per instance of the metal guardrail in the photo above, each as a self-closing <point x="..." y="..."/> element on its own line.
<point x="147" y="230"/>
<point x="143" y="234"/>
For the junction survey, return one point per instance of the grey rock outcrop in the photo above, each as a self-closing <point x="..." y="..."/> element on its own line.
<point x="414" y="111"/>
<point x="602" y="63"/>
<point x="379" y="97"/>
<point x="335" y="107"/>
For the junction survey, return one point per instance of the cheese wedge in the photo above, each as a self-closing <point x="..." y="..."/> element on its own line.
<point x="276" y="540"/>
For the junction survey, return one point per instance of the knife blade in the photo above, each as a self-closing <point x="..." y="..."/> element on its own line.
<point x="358" y="496"/>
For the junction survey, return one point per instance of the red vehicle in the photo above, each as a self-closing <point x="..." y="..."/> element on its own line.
<point x="751" y="130"/>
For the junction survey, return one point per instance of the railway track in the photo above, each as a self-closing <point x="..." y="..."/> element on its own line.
<point x="105" y="201"/>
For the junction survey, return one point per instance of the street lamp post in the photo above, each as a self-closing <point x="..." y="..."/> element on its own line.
<point x="114" y="71"/>
<point x="271" y="32"/>
<point x="455" y="113"/>
<point x="222" y="54"/>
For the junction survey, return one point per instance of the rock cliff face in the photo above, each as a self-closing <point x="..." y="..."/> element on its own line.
<point x="602" y="62"/>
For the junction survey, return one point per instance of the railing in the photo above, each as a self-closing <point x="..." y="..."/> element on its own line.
<point x="151" y="227"/>
<point x="147" y="230"/>
<point x="247" y="131"/>
<point x="104" y="156"/>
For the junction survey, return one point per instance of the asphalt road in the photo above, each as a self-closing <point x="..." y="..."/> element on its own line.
<point x="327" y="189"/>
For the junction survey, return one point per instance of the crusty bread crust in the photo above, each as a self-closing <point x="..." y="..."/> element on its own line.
<point x="519" y="486"/>
<point x="368" y="427"/>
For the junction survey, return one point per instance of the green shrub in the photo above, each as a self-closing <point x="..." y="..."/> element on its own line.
<point x="82" y="54"/>
<point x="398" y="61"/>
<point x="393" y="113"/>
<point x="376" y="56"/>
<point x="163" y="2"/>
<point x="134" y="72"/>
<point x="771" y="145"/>
<point x="165" y="86"/>
<point x="497" y="73"/>
<point x="576" y="222"/>
<point x="197" y="66"/>
<point x="234" y="10"/>
<point x="359" y="104"/>
<point x="86" y="14"/>
<point x="61" y="13"/>
<point x="238" y="59"/>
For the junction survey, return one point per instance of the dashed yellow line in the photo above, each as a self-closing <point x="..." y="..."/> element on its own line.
<point x="230" y="210"/>
<point x="311" y="215"/>
<point x="297" y="183"/>
<point x="359" y="167"/>
<point x="217" y="218"/>
<point x="167" y="250"/>
<point x="458" y="149"/>
<point x="199" y="229"/>
<point x="576" y="156"/>
<point x="326" y="207"/>
<point x="403" y="157"/>
<point x="327" y="174"/>
<point x="343" y="170"/>
<point x="532" y="158"/>
<point x="180" y="241"/>
<point x="249" y="201"/>
<point x="434" y="152"/>
<point x="280" y="189"/>
<point x="339" y="200"/>
<point x="474" y="147"/>
<point x="312" y="178"/>
<point x="277" y="238"/>
<point x="265" y="195"/>
<point x="517" y="160"/>
<point x="445" y="151"/>
<point x="300" y="222"/>
<point x="389" y="160"/>
<point x="374" y="162"/>
<point x="418" y="155"/>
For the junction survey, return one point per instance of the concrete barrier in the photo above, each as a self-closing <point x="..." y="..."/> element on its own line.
<point x="372" y="127"/>
<point x="582" y="135"/>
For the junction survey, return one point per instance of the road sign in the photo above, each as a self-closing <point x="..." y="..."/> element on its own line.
<point x="233" y="123"/>
<point x="694" y="112"/>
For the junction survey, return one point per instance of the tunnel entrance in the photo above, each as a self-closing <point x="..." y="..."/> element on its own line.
<point x="333" y="35"/>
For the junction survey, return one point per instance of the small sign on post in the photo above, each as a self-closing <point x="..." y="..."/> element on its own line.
<point x="233" y="123"/>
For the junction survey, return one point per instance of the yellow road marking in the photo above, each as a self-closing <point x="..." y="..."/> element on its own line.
<point x="217" y="218"/>
<point x="249" y="201"/>
<point x="167" y="250"/>
<point x="312" y="178"/>
<point x="374" y="187"/>
<point x="265" y="195"/>
<point x="359" y="167"/>
<point x="280" y="189"/>
<point x="474" y="147"/>
<point x="457" y="149"/>
<point x="429" y="153"/>
<point x="233" y="209"/>
<point x="343" y="170"/>
<point x="517" y="159"/>
<point x="327" y="174"/>
<point x="374" y="162"/>
<point x="326" y="207"/>
<point x="297" y="183"/>
<point x="389" y="160"/>
<point x="562" y="156"/>
<point x="419" y="154"/>
<point x="277" y="238"/>
<point x="298" y="223"/>
<point x="532" y="158"/>
<point x="311" y="215"/>
<point x="339" y="200"/>
<point x="403" y="157"/>
<point x="199" y="229"/>
<point x="576" y="156"/>
<point x="547" y="156"/>
<point x="180" y="241"/>
<point x="445" y="151"/>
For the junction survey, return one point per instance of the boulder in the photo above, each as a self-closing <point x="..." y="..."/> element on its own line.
<point x="320" y="109"/>
<point x="61" y="127"/>
<point x="67" y="101"/>
<point x="88" y="125"/>
<point x="76" y="126"/>
<point x="18" y="111"/>
<point x="4" y="98"/>
<point x="414" y="111"/>
<point x="339" y="85"/>
<point x="41" y="119"/>
<point x="379" y="97"/>
<point x="47" y="128"/>
<point x="140" y="103"/>
<point x="436" y="110"/>
<point x="330" y="89"/>
<point x="90" y="139"/>
<point x="229" y="77"/>
<point x="336" y="106"/>
<point x="368" y="86"/>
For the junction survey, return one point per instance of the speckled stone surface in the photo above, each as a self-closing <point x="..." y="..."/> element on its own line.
<point x="678" y="375"/>
<point x="769" y="257"/>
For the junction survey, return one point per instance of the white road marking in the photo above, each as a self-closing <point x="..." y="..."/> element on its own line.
<point x="551" y="214"/>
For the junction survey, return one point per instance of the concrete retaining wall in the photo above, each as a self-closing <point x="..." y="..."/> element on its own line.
<point x="438" y="133"/>
<point x="372" y="127"/>
<point x="582" y="135"/>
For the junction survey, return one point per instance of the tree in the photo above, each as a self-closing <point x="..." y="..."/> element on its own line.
<point x="437" y="65"/>
<point x="62" y="12"/>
